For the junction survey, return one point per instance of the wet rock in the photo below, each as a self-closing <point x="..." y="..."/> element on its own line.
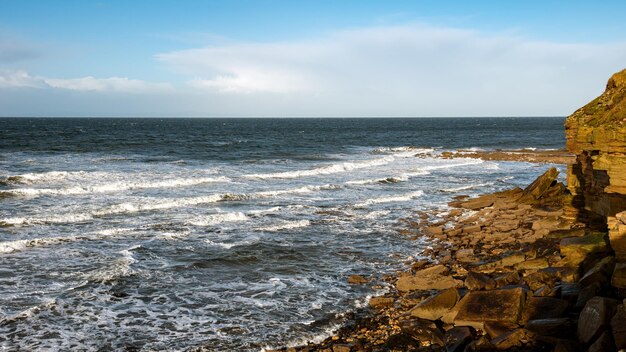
<point x="436" y="306"/>
<point x="457" y="338"/>
<point x="479" y="281"/>
<point x="433" y="278"/>
<point x="422" y="330"/>
<point x="595" y="317"/>
<point x="570" y="292"/>
<point x="381" y="302"/>
<point x="478" y="307"/>
<point x="543" y="308"/>
<point x="357" y="280"/>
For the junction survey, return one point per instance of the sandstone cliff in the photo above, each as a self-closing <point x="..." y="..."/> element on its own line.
<point x="596" y="133"/>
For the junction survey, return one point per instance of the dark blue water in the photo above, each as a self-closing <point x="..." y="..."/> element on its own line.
<point x="230" y="233"/>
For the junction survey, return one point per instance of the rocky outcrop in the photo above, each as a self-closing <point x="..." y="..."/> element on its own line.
<point x="596" y="133"/>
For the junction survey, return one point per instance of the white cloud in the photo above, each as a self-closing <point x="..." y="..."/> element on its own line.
<point x="19" y="79"/>
<point x="411" y="70"/>
<point x="22" y="79"/>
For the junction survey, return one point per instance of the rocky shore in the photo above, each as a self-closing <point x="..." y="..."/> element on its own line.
<point x="535" y="269"/>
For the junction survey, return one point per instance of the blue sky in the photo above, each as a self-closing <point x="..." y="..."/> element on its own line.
<point x="306" y="58"/>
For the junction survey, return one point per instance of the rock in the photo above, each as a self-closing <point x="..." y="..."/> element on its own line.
<point x="595" y="317"/>
<point x="543" y="308"/>
<point x="341" y="348"/>
<point x="617" y="234"/>
<point x="422" y="330"/>
<point x="532" y="264"/>
<point x="381" y="302"/>
<point x="618" y="327"/>
<point x="433" y="278"/>
<point x="478" y="307"/>
<point x="501" y="263"/>
<point x="576" y="249"/>
<point x="479" y="281"/>
<point x="436" y="306"/>
<point x="601" y="272"/>
<point x="556" y="327"/>
<point x="618" y="279"/>
<point x="603" y="344"/>
<point x="494" y="329"/>
<point x="540" y="186"/>
<point x="567" y="346"/>
<point x="357" y="280"/>
<point x="457" y="338"/>
<point x="587" y="293"/>
<point x="515" y="338"/>
<point x="510" y="278"/>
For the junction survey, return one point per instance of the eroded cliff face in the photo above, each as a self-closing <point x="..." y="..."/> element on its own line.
<point x="596" y="133"/>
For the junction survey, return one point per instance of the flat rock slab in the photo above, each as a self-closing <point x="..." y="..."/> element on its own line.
<point x="436" y="306"/>
<point x="433" y="278"/>
<point x="478" y="307"/>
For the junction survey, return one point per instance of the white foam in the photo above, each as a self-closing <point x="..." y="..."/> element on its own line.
<point x="286" y="225"/>
<point x="397" y="179"/>
<point x="231" y="245"/>
<point x="325" y="170"/>
<point x="215" y="219"/>
<point x="391" y="199"/>
<point x="114" y="187"/>
<point x="120" y="267"/>
<point x="463" y="188"/>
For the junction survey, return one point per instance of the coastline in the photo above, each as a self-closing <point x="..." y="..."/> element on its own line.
<point x="538" y="269"/>
<point x="391" y="322"/>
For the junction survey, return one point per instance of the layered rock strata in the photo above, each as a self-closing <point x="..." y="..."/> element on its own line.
<point x="596" y="133"/>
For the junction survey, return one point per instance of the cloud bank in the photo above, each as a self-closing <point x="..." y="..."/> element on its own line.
<point x="22" y="79"/>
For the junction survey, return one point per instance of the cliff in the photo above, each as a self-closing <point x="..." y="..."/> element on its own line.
<point x="596" y="133"/>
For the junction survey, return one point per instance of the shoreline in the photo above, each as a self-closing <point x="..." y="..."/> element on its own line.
<point x="390" y="321"/>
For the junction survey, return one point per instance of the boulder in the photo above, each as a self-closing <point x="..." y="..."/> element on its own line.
<point x="457" y="338"/>
<point x="433" y="278"/>
<point x="601" y="272"/>
<point x="479" y="281"/>
<point x="436" y="306"/>
<point x="555" y="327"/>
<point x="603" y="344"/>
<point x="422" y="330"/>
<point x="478" y="307"/>
<point x="543" y="308"/>
<point x="618" y="327"/>
<point x="595" y="318"/>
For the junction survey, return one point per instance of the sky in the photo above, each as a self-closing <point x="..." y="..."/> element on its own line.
<point x="304" y="58"/>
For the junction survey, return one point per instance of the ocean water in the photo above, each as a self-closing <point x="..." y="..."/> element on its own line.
<point x="234" y="234"/>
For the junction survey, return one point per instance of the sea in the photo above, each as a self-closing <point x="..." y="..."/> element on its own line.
<point x="232" y="234"/>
